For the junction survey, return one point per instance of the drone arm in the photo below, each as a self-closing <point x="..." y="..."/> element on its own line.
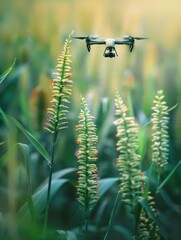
<point x="97" y="42"/>
<point x="118" y="42"/>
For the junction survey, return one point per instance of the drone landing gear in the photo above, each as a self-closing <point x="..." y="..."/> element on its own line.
<point x="88" y="47"/>
<point x="110" y="52"/>
<point x="131" y="47"/>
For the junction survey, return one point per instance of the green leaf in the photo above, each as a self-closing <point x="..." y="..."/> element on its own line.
<point x="172" y="108"/>
<point x="5" y="74"/>
<point x="152" y="170"/>
<point x="32" y="139"/>
<point x="168" y="177"/>
<point x="105" y="185"/>
<point x="62" y="173"/>
<point x="137" y="211"/>
<point x="4" y="118"/>
<point x="145" y="205"/>
<point x="25" y="150"/>
<point x="39" y="199"/>
<point x="66" y="235"/>
<point x="2" y="143"/>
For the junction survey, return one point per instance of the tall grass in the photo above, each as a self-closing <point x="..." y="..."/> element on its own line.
<point x="153" y="65"/>
<point x="137" y="187"/>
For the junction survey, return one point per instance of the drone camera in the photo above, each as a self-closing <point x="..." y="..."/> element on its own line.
<point x="110" y="55"/>
<point x="110" y="52"/>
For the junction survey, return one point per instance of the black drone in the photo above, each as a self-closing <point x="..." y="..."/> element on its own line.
<point x="110" y="50"/>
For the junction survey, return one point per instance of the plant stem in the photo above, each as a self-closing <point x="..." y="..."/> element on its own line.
<point x="86" y="208"/>
<point x="49" y="186"/>
<point x="112" y="214"/>
<point x="86" y="226"/>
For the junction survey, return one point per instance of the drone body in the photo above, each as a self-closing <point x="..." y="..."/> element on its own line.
<point x="110" y="50"/>
<point x="110" y="42"/>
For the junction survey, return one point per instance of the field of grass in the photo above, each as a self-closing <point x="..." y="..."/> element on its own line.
<point x="34" y="33"/>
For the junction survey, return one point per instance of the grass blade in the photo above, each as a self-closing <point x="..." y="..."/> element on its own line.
<point x="4" y="118"/>
<point x="62" y="173"/>
<point x="111" y="216"/>
<point x="147" y="208"/>
<point x="32" y="139"/>
<point x="39" y="199"/>
<point x="168" y="177"/>
<point x="6" y="73"/>
<point x="25" y="150"/>
<point x="105" y="185"/>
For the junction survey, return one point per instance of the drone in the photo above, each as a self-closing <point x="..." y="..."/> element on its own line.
<point x="110" y="50"/>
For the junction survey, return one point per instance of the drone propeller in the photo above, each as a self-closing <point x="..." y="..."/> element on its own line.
<point x="79" y="38"/>
<point x="87" y="39"/>
<point x="130" y="38"/>
<point x="139" y="38"/>
<point x="131" y="41"/>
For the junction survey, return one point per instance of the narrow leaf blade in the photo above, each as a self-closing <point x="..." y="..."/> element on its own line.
<point x="39" y="199"/>
<point x="25" y="150"/>
<point x="168" y="177"/>
<point x="5" y="74"/>
<point x="64" y="172"/>
<point x="32" y="139"/>
<point x="145" y="205"/>
<point x="105" y="185"/>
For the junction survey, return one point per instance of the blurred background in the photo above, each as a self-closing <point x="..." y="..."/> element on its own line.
<point x="34" y="32"/>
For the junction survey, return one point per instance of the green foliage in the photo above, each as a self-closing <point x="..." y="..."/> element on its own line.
<point x="150" y="216"/>
<point x="128" y="162"/>
<point x="6" y="73"/>
<point x="148" y="228"/>
<point x="105" y="184"/>
<point x="61" y="91"/>
<point x="29" y="136"/>
<point x="39" y="200"/>
<point x="168" y="177"/>
<point x="160" y="145"/>
<point x="87" y="156"/>
<point x="33" y="140"/>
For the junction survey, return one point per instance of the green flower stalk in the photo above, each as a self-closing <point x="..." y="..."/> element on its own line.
<point x="61" y="91"/>
<point x="87" y="156"/>
<point x="128" y="162"/>
<point x="147" y="229"/>
<point x="160" y="144"/>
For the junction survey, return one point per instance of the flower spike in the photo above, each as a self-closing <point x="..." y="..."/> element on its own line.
<point x="61" y="91"/>
<point x="87" y="156"/>
<point x="128" y="162"/>
<point x="160" y="144"/>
